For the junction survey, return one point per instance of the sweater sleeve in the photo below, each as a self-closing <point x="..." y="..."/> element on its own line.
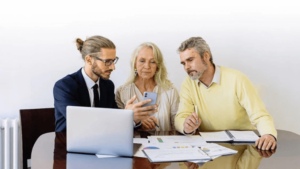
<point x="255" y="108"/>
<point x="119" y="101"/>
<point x="186" y="106"/>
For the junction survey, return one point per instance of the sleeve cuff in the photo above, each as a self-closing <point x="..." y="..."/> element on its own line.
<point x="274" y="137"/>
<point x="187" y="134"/>
<point x="137" y="125"/>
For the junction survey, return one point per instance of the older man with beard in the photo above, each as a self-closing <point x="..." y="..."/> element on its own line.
<point x="90" y="86"/>
<point x="225" y="98"/>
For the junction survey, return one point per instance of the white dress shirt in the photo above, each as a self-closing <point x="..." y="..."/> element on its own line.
<point x="216" y="79"/>
<point x="89" y="84"/>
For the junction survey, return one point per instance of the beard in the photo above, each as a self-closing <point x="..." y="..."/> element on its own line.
<point x="97" y="71"/>
<point x="197" y="74"/>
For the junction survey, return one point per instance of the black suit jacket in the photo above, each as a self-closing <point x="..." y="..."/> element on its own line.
<point x="72" y="91"/>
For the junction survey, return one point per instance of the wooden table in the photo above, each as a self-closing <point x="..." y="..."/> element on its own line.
<point x="49" y="151"/>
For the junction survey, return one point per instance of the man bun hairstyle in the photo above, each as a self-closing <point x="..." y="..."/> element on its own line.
<point x="93" y="44"/>
<point x="79" y="44"/>
<point x="199" y="44"/>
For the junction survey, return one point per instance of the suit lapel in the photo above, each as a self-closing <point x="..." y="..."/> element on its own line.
<point x="103" y="93"/>
<point x="83" y="91"/>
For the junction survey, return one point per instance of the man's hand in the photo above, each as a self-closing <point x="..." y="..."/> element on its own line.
<point x="140" y="113"/>
<point x="191" y="165"/>
<point x="265" y="153"/>
<point x="191" y="123"/>
<point x="266" y="142"/>
<point x="149" y="123"/>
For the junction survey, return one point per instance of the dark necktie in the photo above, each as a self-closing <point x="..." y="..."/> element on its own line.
<point x="96" y="96"/>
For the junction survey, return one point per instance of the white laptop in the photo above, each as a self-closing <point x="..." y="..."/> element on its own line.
<point x="79" y="161"/>
<point x="100" y="131"/>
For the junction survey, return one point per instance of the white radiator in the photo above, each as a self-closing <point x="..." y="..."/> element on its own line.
<point x="10" y="144"/>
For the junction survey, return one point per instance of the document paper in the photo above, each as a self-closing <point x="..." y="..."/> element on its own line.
<point x="244" y="136"/>
<point x="213" y="150"/>
<point x="166" y="155"/>
<point x="140" y="153"/>
<point x="192" y="140"/>
<point x="215" y="136"/>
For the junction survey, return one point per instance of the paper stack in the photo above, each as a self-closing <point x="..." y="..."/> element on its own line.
<point x="184" y="154"/>
<point x="179" y="148"/>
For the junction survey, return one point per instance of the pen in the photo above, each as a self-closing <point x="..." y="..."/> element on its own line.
<point x="155" y="124"/>
<point x="196" y="113"/>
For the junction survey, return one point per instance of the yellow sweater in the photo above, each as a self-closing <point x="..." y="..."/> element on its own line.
<point x="231" y="104"/>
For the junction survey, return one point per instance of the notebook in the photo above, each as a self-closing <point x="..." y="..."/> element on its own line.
<point x="229" y="136"/>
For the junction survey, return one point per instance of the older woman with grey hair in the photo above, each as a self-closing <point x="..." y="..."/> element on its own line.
<point x="149" y="74"/>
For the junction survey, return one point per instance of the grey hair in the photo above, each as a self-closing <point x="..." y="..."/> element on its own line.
<point x="93" y="44"/>
<point x="199" y="44"/>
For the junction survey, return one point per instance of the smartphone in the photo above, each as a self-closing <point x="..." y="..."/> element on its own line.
<point x="152" y="96"/>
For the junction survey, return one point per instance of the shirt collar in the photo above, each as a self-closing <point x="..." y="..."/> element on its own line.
<point x="88" y="81"/>
<point x="216" y="78"/>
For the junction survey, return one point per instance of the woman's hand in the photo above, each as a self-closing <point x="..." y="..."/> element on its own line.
<point x="140" y="113"/>
<point x="149" y="124"/>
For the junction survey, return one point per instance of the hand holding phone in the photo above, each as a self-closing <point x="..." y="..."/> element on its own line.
<point x="140" y="113"/>
<point x="152" y="96"/>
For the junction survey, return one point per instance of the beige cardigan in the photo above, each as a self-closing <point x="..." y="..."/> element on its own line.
<point x="167" y="101"/>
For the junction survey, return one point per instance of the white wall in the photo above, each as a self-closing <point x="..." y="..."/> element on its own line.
<point x="259" y="38"/>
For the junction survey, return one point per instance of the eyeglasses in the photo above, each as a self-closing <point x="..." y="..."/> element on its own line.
<point x="109" y="61"/>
